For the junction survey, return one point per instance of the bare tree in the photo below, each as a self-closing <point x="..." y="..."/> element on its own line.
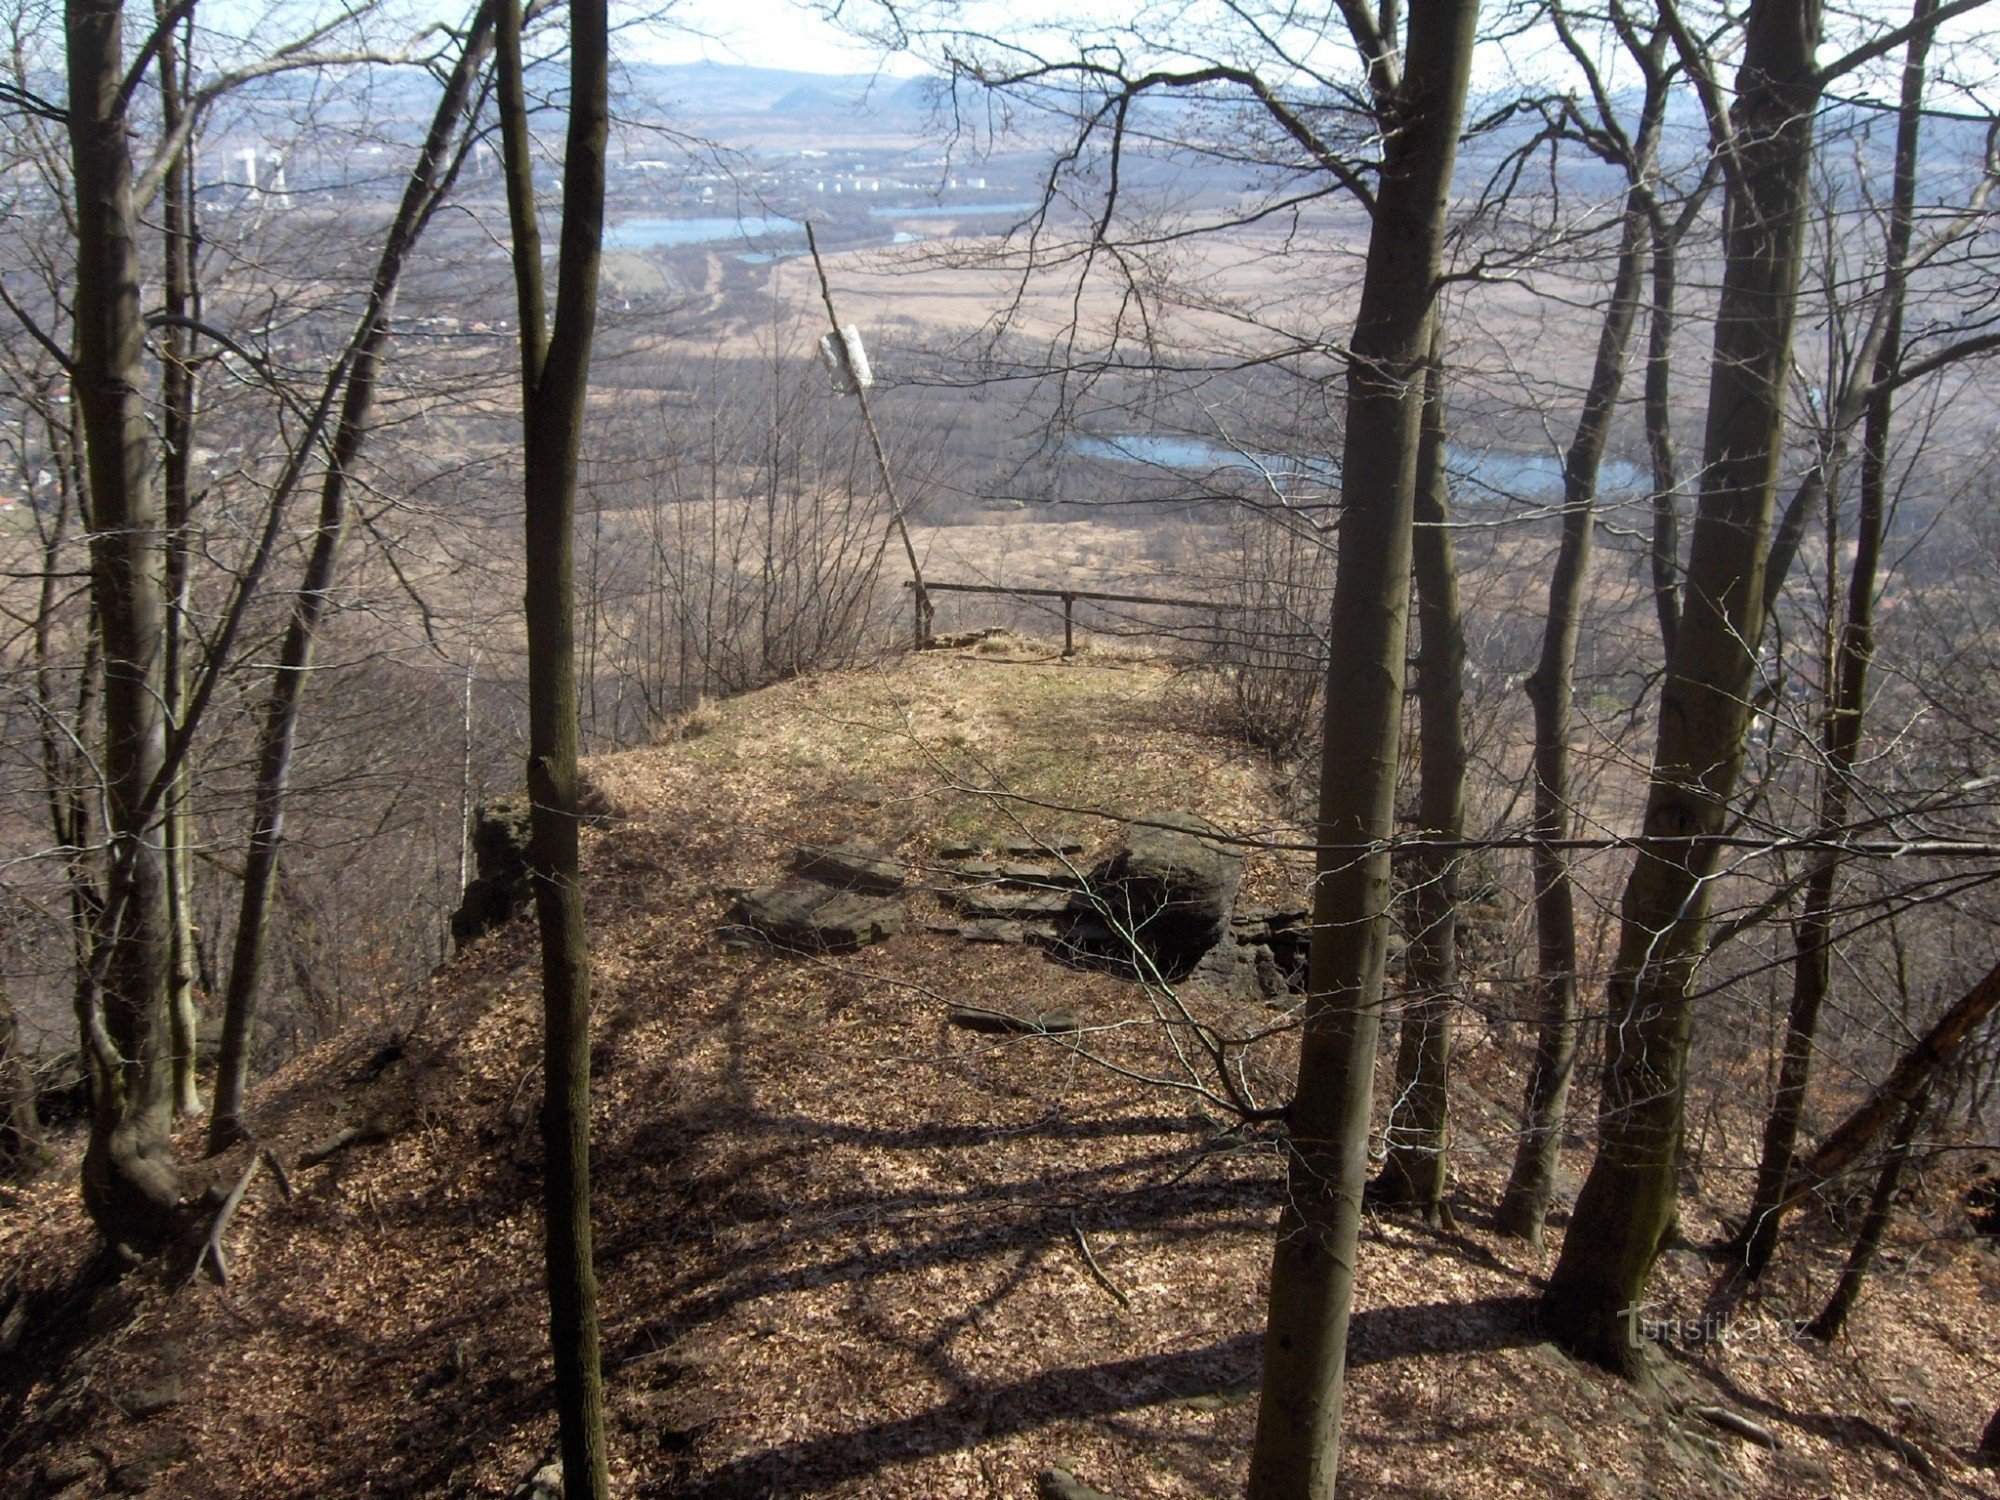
<point x="438" y="161"/>
<point x="555" y="386"/>
<point x="130" y="1182"/>
<point x="1549" y="688"/>
<point x="1628" y="1203"/>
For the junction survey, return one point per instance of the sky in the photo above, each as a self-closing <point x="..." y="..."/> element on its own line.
<point x="765" y="34"/>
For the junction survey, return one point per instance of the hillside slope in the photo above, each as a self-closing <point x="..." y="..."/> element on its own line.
<point x="847" y="1249"/>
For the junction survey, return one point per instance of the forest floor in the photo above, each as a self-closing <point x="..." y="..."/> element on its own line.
<point x="847" y="1249"/>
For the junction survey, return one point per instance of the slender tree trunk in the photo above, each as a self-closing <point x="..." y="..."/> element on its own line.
<point x="20" y="1129"/>
<point x="1297" y="1449"/>
<point x="131" y="1184"/>
<point x="1812" y="964"/>
<point x="1413" y="1176"/>
<point x="1629" y="1200"/>
<point x="1661" y="450"/>
<point x="1868" y="1239"/>
<point x="1912" y="1074"/>
<point x="178" y="397"/>
<point x="430" y="179"/>
<point x="555" y="365"/>
<point x="1526" y="1201"/>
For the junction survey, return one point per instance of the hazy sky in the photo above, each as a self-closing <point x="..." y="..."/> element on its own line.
<point x="764" y="33"/>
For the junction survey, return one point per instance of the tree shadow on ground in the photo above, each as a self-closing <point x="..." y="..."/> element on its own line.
<point x="984" y="1413"/>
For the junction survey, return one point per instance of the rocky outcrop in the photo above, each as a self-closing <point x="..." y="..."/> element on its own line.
<point x="501" y="886"/>
<point x="839" y="897"/>
<point x="1167" y="891"/>
<point x="850" y="867"/>
<point x="815" y="917"/>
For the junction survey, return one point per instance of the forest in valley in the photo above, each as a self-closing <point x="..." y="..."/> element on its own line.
<point x="1538" y="454"/>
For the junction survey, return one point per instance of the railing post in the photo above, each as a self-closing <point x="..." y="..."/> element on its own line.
<point x="1069" y="625"/>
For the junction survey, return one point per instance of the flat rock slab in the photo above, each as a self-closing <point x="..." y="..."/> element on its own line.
<point x="851" y="866"/>
<point x="1038" y="848"/>
<point x="1046" y="877"/>
<point x="1000" y="1022"/>
<point x="1005" y="930"/>
<point x="818" y="918"/>
<point x="1011" y="905"/>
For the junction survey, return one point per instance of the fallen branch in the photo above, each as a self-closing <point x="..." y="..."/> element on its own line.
<point x="278" y="1171"/>
<point x="1096" y="1270"/>
<point x="1740" y="1425"/>
<point x="365" y="1134"/>
<point x="211" y="1249"/>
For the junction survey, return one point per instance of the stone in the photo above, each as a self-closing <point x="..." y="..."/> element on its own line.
<point x="851" y="867"/>
<point x="546" y="1483"/>
<point x="1032" y="848"/>
<point x="1239" y="971"/>
<point x="817" y="918"/>
<point x="1020" y="872"/>
<point x="1060" y="1484"/>
<point x="978" y="869"/>
<point x="956" y="851"/>
<point x="151" y="1400"/>
<point x="73" y="1468"/>
<point x="1285" y="930"/>
<point x="1011" y="905"/>
<point x="501" y="886"/>
<point x="1169" y="889"/>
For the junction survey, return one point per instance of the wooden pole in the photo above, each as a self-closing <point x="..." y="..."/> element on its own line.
<point x="923" y="598"/>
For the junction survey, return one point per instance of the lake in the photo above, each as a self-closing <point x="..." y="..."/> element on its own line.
<point x="654" y="233"/>
<point x="1495" y="470"/>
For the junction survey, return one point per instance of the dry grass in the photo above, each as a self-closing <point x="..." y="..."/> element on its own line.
<point x="839" y="1241"/>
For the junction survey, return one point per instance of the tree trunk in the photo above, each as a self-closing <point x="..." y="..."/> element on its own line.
<point x="1297" y="1449"/>
<point x="178" y="397"/>
<point x="20" y="1129"/>
<point x="1413" y="1176"/>
<point x="1525" y="1203"/>
<point x="1868" y="1239"/>
<point x="1908" y="1079"/>
<point x="131" y="1184"/>
<point x="1813" y="937"/>
<point x="1661" y="450"/>
<point x="436" y="167"/>
<point x="555" y="367"/>
<point x="1628" y="1201"/>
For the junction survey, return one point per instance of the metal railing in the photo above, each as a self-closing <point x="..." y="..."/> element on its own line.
<point x="1069" y="599"/>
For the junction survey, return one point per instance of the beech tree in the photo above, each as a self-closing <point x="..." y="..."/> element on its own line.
<point x="1422" y="87"/>
<point x="555" y="386"/>
<point x="1764" y="144"/>
<point x="1413" y="1172"/>
<point x="450" y="135"/>
<point x="130" y="1182"/>
<point x="1549" y="688"/>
